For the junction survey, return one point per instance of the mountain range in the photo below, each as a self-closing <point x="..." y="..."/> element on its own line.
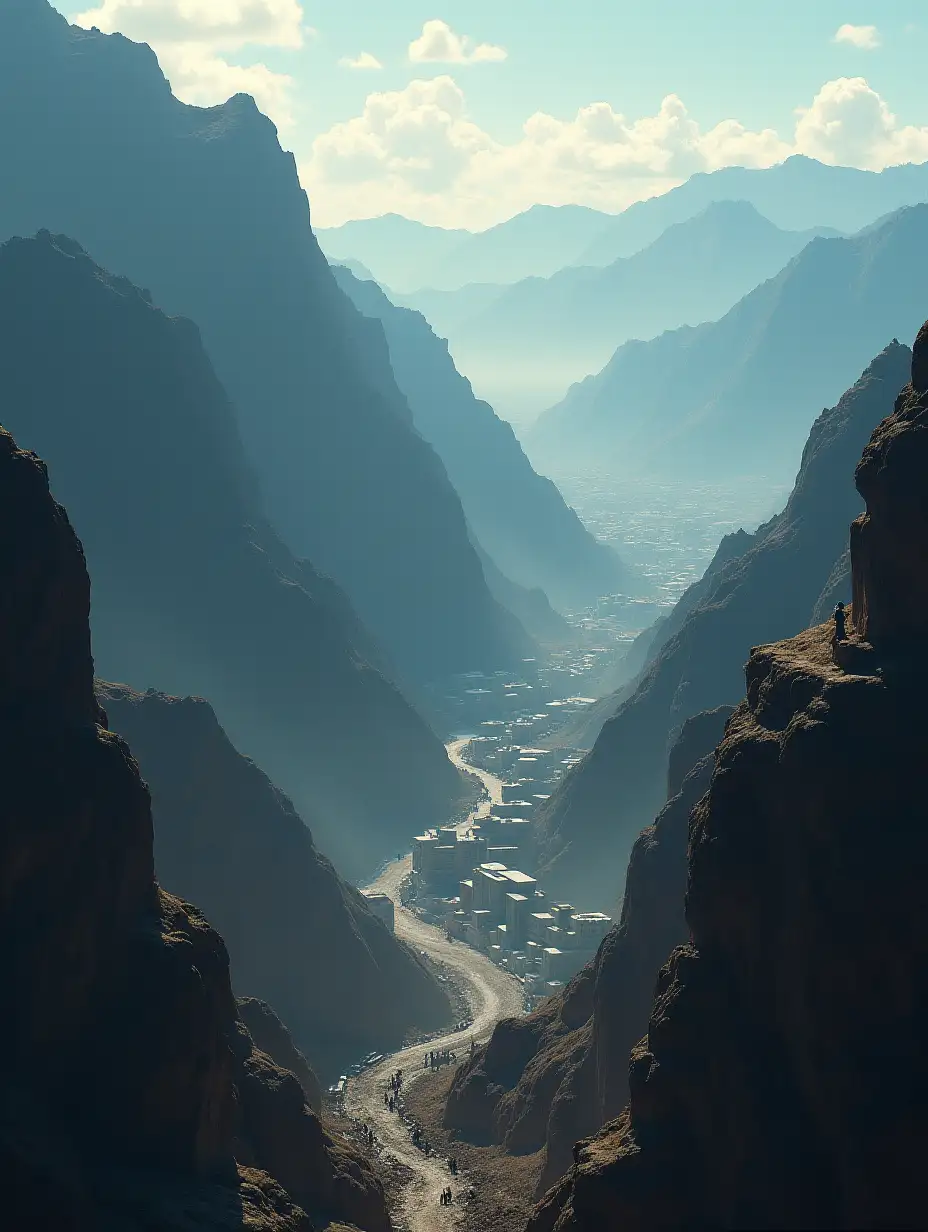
<point x="769" y="588"/>
<point x="193" y="592"/>
<point x="740" y="394"/>
<point x="527" y="343"/>
<point x="201" y="207"/>
<point x="518" y="517"/>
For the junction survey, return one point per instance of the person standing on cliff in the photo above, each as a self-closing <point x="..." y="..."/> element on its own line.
<point x="840" y="617"/>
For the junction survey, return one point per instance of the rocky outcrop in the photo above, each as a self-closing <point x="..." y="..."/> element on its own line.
<point x="131" y="1096"/>
<point x="271" y="1036"/>
<point x="193" y="592"/>
<point x="518" y="516"/>
<point x="300" y="937"/>
<point x="203" y="207"/>
<point x="782" y="1081"/>
<point x="560" y="1073"/>
<point x="763" y="591"/>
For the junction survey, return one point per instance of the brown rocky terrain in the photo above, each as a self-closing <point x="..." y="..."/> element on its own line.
<point x="132" y="1098"/>
<point x="299" y="936"/>
<point x="765" y="590"/>
<point x="560" y="1073"/>
<point x="783" y="1079"/>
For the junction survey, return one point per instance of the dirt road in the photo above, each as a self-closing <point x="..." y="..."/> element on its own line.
<point x="493" y="785"/>
<point x="492" y="994"/>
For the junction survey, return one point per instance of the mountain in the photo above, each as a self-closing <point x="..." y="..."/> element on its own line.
<point x="204" y="209"/>
<point x="535" y="339"/>
<point x="228" y="840"/>
<point x="797" y="195"/>
<point x="408" y="256"/>
<point x="741" y="393"/>
<point x="518" y="517"/>
<point x="558" y="1074"/>
<point x="398" y="251"/>
<point x="763" y="592"/>
<point x="193" y="592"/>
<point x="763" y="1095"/>
<point x="133" y="1096"/>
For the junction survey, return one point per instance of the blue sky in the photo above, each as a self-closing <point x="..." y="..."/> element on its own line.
<point x="494" y="105"/>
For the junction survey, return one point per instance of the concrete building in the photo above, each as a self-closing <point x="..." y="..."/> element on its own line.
<point x="382" y="907"/>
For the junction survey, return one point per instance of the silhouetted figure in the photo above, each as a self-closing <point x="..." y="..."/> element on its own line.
<point x="840" y="633"/>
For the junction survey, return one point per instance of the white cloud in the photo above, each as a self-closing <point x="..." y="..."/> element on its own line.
<point x="438" y="44"/>
<point x="362" y="61"/>
<point x="851" y="125"/>
<point x="194" y="37"/>
<point x="416" y="151"/>
<point x="866" y="38"/>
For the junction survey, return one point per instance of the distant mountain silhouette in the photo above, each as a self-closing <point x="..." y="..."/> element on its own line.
<point x="518" y="516"/>
<point x="766" y="590"/>
<point x="798" y="194"/>
<point x="407" y="255"/>
<point x="740" y="394"/>
<point x="202" y="207"/>
<point x="530" y="342"/>
<point x="193" y="593"/>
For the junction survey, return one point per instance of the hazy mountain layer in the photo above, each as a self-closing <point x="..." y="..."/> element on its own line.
<point x="192" y="590"/>
<point x="535" y="339"/>
<point x="518" y="516"/>
<point x="407" y="255"/>
<point x="203" y="207"/>
<point x="741" y="393"/>
<point x="769" y="591"/>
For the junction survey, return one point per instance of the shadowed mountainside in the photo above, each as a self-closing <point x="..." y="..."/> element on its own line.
<point x="782" y="1080"/>
<point x="766" y="591"/>
<point x="132" y="1096"/>
<point x="192" y="590"/>
<point x="202" y="207"/>
<point x="740" y="394"/>
<point x="559" y="1074"/>
<point x="518" y="517"/>
<point x="299" y="937"/>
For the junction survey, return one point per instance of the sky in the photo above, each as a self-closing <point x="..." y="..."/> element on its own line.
<point x="462" y="113"/>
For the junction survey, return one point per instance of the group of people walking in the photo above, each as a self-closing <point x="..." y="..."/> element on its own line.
<point x="446" y="1197"/>
<point x="392" y="1094"/>
<point x="438" y="1057"/>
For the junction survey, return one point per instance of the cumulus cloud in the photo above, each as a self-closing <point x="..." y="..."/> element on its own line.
<point x="416" y="151"/>
<point x="438" y="44"/>
<point x="193" y="39"/>
<point x="364" y="60"/>
<point x="867" y="38"/>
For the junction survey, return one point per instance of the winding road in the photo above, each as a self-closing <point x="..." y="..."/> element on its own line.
<point x="491" y="993"/>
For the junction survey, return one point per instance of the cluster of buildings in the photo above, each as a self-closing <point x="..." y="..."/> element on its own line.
<point x="474" y="880"/>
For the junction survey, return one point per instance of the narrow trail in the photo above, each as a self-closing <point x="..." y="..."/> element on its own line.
<point x="492" y="994"/>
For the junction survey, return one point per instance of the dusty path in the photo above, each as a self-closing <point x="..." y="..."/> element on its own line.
<point x="493" y="785"/>
<point x="492" y="994"/>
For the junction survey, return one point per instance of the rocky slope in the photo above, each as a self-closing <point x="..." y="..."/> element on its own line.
<point x="535" y="339"/>
<point x="193" y="591"/>
<point x="518" y="516"/>
<point x="765" y="592"/>
<point x="203" y="208"/>
<point x="739" y="395"/>
<point x="299" y="937"/>
<point x="559" y="1074"/>
<point x="132" y="1096"/>
<point x="782" y="1081"/>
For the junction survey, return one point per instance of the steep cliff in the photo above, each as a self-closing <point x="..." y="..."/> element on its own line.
<point x="766" y="592"/>
<point x="131" y="1098"/>
<point x="738" y="395"/>
<point x="193" y="592"/>
<point x="299" y="937"/>
<point x="203" y="207"/>
<point x="783" y="1080"/>
<point x="560" y="1073"/>
<point x="518" y="516"/>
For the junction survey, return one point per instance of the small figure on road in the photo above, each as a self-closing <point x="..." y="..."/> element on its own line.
<point x="840" y="618"/>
